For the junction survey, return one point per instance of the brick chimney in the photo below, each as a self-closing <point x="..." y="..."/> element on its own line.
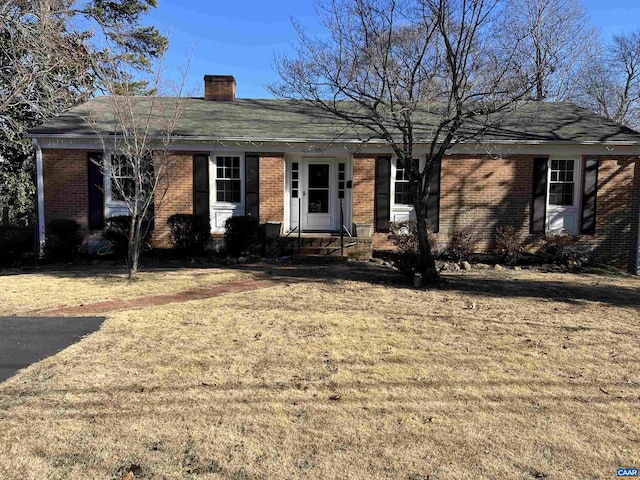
<point x="219" y="88"/>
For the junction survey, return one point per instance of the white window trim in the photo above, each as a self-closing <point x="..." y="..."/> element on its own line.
<point x="112" y="207"/>
<point x="573" y="210"/>
<point x="217" y="208"/>
<point x="213" y="175"/>
<point x="402" y="209"/>
<point x="576" y="182"/>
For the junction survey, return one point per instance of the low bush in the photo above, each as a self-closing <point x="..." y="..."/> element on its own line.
<point x="62" y="240"/>
<point x="404" y="236"/>
<point x="460" y="244"/>
<point x="189" y="233"/>
<point x="116" y="232"/>
<point x="16" y="243"/>
<point x="554" y="244"/>
<point x="241" y="235"/>
<point x="509" y="245"/>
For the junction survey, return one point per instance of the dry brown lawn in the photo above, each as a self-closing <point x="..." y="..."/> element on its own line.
<point x="28" y="293"/>
<point x="510" y="375"/>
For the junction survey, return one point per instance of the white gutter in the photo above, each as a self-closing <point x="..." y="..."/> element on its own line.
<point x="347" y="141"/>
<point x="40" y="192"/>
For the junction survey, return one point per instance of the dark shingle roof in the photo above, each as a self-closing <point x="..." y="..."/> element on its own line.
<point x="265" y="120"/>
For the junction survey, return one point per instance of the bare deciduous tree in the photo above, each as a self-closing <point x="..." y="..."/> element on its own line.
<point x="407" y="72"/>
<point x="137" y="134"/>
<point x="611" y="88"/>
<point x="37" y="52"/>
<point x="554" y="42"/>
<point x="53" y="55"/>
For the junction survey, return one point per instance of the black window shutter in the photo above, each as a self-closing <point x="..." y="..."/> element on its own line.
<point x="539" y="201"/>
<point x="433" y="202"/>
<point x="383" y="193"/>
<point x="589" y="195"/>
<point x="151" y="211"/>
<point x="201" y="185"/>
<point x="252" y="185"/>
<point x="96" y="191"/>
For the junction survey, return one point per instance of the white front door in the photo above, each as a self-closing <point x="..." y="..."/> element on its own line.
<point x="319" y="195"/>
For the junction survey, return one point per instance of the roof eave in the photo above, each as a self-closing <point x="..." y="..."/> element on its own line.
<point x="350" y="141"/>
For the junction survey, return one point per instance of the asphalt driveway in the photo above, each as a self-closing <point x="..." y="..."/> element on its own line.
<point x="25" y="340"/>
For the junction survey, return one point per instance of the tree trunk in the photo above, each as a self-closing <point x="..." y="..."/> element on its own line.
<point x="539" y="75"/>
<point x="427" y="262"/>
<point x="133" y="253"/>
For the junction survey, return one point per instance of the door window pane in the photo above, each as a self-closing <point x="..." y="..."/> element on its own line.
<point x="318" y="201"/>
<point x="318" y="175"/>
<point x="294" y="180"/>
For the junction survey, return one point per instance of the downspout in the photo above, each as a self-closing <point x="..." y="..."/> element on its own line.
<point x="638" y="236"/>
<point x="638" y="246"/>
<point x="40" y="193"/>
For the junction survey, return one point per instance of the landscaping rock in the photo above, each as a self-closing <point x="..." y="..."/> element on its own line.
<point x="450" y="266"/>
<point x="242" y="260"/>
<point x="582" y="254"/>
<point x="573" y="264"/>
<point x="499" y="268"/>
<point x="551" y="267"/>
<point x="482" y="266"/>
<point x="466" y="265"/>
<point x="517" y="269"/>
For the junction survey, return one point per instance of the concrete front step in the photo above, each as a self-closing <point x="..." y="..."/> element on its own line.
<point x="319" y="241"/>
<point x="322" y="245"/>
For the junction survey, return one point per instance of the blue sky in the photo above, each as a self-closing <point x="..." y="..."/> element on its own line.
<point x="241" y="37"/>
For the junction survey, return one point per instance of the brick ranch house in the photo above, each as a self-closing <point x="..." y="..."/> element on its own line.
<point x="549" y="167"/>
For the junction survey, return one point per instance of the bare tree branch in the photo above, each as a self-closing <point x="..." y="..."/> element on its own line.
<point x="138" y="145"/>
<point x="554" y="41"/>
<point x="611" y="87"/>
<point x="407" y="72"/>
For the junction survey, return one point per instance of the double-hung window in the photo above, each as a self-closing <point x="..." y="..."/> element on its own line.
<point x="228" y="185"/>
<point x="402" y="187"/>
<point x="123" y="185"/>
<point x="562" y="183"/>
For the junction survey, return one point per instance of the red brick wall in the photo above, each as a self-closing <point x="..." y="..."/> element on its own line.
<point x="364" y="179"/>
<point x="173" y="196"/>
<point x="483" y="194"/>
<point x="477" y="193"/>
<point x="66" y="191"/>
<point x="364" y="196"/>
<point x="617" y="207"/>
<point x="272" y="188"/>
